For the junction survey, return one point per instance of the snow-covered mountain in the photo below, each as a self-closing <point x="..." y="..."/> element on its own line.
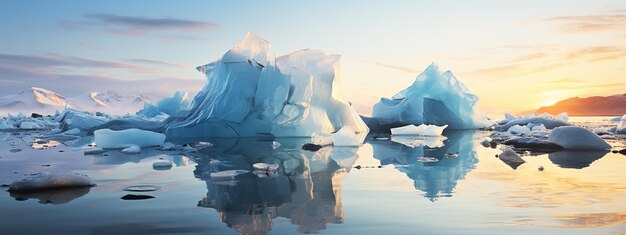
<point x="109" y="101"/>
<point x="40" y="100"/>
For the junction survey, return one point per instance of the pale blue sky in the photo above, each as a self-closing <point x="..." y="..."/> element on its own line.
<point x="495" y="47"/>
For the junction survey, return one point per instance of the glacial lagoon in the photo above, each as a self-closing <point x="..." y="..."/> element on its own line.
<point x="386" y="186"/>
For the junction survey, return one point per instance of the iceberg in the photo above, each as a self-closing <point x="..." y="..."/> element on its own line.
<point x="434" y="98"/>
<point x="51" y="180"/>
<point x="109" y="139"/>
<point x="577" y="138"/>
<point x="249" y="92"/>
<point x="423" y="130"/>
<point x="621" y="127"/>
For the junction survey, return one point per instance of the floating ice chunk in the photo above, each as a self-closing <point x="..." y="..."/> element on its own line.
<point x="621" y="127"/>
<point x="427" y="159"/>
<point x="29" y="125"/>
<point x="167" y="146"/>
<point x="509" y="116"/>
<point x="94" y="151"/>
<point x="133" y="149"/>
<point x="275" y="145"/>
<point x="534" y="143"/>
<point x="70" y="119"/>
<point x="345" y="157"/>
<point x="346" y="137"/>
<point x="423" y="130"/>
<point x="106" y="138"/>
<point x="51" y="180"/>
<point x="549" y="121"/>
<point x="518" y="130"/>
<point x="434" y="98"/>
<point x="227" y="175"/>
<point x="321" y="140"/>
<point x="618" y="119"/>
<point x="265" y="166"/>
<point x="162" y="165"/>
<point x="73" y="131"/>
<point x="577" y="138"/>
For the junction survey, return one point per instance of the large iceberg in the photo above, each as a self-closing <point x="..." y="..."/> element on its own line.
<point x="249" y="93"/>
<point x="434" y="98"/>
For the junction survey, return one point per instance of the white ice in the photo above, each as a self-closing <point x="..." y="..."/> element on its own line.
<point x="577" y="138"/>
<point x="133" y="149"/>
<point x="265" y="166"/>
<point x="249" y="92"/>
<point x="518" y="130"/>
<point x="51" y="180"/>
<point x="227" y="175"/>
<point x="29" y="125"/>
<point x="547" y="120"/>
<point x="106" y="138"/>
<point x="422" y="130"/>
<point x="434" y="98"/>
<point x="346" y="137"/>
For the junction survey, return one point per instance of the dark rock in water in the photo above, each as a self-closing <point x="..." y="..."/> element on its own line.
<point x="35" y="115"/>
<point x="358" y="167"/>
<point x="623" y="151"/>
<point x="311" y="147"/>
<point x="5" y="186"/>
<point x="534" y="144"/>
<point x="511" y="158"/>
<point x="136" y="197"/>
<point x="614" y="151"/>
<point x="493" y="144"/>
<point x="540" y="168"/>
<point x="15" y="150"/>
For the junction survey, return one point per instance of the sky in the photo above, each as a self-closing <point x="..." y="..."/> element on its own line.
<point x="515" y="55"/>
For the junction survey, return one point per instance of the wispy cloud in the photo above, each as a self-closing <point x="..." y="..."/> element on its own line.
<point x="135" y="25"/>
<point x="590" y="23"/>
<point x="396" y="67"/>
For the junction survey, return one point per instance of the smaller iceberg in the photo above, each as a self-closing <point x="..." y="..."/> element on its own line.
<point x="435" y="98"/>
<point x="169" y="106"/>
<point x="511" y="158"/>
<point x="422" y="130"/>
<point x="548" y="121"/>
<point x="109" y="139"/>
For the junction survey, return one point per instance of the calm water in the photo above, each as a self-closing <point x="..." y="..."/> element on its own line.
<point x="393" y="192"/>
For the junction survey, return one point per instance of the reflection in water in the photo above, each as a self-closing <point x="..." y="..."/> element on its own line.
<point x="575" y="159"/>
<point x="435" y="179"/>
<point x="52" y="196"/>
<point x="306" y="190"/>
<point x="590" y="220"/>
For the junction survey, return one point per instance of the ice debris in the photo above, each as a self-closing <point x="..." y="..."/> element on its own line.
<point x="162" y="165"/>
<point x="132" y="149"/>
<point x="51" y="180"/>
<point x="577" y="138"/>
<point x="265" y="166"/>
<point x="227" y="175"/>
<point x="422" y="130"/>
<point x="109" y="139"/>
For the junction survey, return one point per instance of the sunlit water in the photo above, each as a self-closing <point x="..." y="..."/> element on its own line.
<point x="391" y="190"/>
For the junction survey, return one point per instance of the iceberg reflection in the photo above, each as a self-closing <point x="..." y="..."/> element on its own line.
<point x="455" y="158"/>
<point x="306" y="189"/>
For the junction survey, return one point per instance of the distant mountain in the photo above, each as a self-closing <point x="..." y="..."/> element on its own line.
<point x="614" y="105"/>
<point x="44" y="101"/>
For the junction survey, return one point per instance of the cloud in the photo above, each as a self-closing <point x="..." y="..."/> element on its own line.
<point x="396" y="67"/>
<point x="134" y="25"/>
<point x="590" y="23"/>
